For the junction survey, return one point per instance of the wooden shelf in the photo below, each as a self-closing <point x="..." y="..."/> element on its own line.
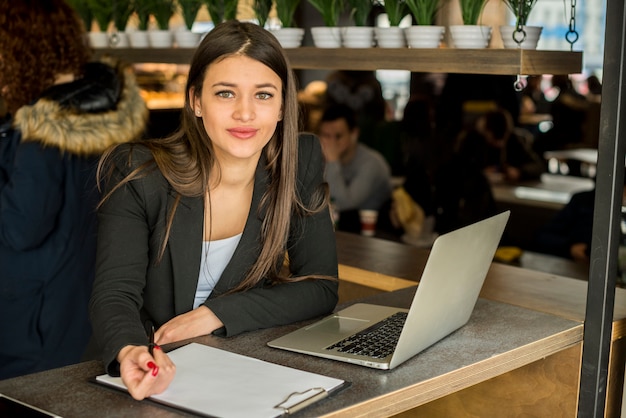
<point x="441" y="60"/>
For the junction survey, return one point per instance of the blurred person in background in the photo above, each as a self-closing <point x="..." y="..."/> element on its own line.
<point x="62" y="112"/>
<point x="358" y="176"/>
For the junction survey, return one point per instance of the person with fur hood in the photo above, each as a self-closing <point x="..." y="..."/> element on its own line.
<point x="62" y="111"/>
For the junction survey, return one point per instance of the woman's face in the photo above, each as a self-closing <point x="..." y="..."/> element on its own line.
<point x="240" y="106"/>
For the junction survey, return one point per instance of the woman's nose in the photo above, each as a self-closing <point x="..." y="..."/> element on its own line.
<point x="244" y="110"/>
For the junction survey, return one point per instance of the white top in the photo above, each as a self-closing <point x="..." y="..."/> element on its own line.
<point x="215" y="257"/>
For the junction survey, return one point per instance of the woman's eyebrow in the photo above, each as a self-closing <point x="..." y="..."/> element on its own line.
<point x="259" y="86"/>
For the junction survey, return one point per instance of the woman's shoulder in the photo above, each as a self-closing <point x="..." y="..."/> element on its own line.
<point x="131" y="154"/>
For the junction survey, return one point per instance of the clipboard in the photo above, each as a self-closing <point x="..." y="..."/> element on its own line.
<point x="216" y="383"/>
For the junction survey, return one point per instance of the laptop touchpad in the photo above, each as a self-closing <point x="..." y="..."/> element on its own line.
<point x="339" y="324"/>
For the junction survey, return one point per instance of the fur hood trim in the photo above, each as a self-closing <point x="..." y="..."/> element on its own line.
<point x="86" y="133"/>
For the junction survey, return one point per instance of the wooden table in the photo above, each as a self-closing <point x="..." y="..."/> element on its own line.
<point x="525" y="334"/>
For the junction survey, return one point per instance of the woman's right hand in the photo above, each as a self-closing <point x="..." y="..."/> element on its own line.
<point x="145" y="375"/>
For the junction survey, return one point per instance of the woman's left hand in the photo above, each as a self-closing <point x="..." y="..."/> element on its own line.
<point x="200" y="321"/>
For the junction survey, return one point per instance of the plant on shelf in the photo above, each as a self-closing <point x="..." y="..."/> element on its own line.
<point x="360" y="11"/>
<point x="102" y="12"/>
<point x="221" y="10"/>
<point x="396" y="10"/>
<point x="189" y="10"/>
<point x="162" y="10"/>
<point x="122" y="9"/>
<point x="83" y="11"/>
<point x="424" y="11"/>
<point x="521" y="10"/>
<point x="471" y="10"/>
<point x="262" y="10"/>
<point x="285" y="11"/>
<point x="329" y="9"/>
<point x="142" y="10"/>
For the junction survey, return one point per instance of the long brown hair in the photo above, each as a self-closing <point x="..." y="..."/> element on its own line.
<point x="186" y="157"/>
<point x="39" y="39"/>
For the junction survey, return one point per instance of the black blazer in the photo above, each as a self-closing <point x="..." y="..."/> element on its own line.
<point x="131" y="288"/>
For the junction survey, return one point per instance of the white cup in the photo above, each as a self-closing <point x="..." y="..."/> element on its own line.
<point x="368" y="217"/>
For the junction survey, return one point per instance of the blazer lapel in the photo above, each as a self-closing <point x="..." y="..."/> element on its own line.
<point x="185" y="248"/>
<point x="249" y="248"/>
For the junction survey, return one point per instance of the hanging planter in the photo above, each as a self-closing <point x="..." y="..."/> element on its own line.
<point x="525" y="37"/>
<point x="520" y="35"/>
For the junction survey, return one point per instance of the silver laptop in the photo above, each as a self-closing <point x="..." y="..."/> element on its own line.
<point x="444" y="300"/>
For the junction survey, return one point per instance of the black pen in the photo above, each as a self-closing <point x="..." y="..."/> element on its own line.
<point x="151" y="344"/>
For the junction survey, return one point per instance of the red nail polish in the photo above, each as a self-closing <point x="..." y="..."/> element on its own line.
<point x="155" y="371"/>
<point x="157" y="347"/>
<point x="151" y="364"/>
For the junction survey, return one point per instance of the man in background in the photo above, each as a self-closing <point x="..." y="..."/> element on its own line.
<point x="359" y="177"/>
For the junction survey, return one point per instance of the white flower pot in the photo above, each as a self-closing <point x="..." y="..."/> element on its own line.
<point x="186" y="39"/>
<point x="390" y="37"/>
<point x="289" y="37"/>
<point x="160" y="38"/>
<point x="98" y="39"/>
<point x="424" y="36"/>
<point x="470" y="36"/>
<point x="118" y="40"/>
<point x="138" y="39"/>
<point x="326" y="36"/>
<point x="525" y="39"/>
<point x="357" y="36"/>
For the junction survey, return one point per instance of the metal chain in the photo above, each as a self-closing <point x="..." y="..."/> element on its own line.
<point x="572" y="35"/>
<point x="519" y="34"/>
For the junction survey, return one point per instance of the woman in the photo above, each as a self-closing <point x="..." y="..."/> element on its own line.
<point x="62" y="112"/>
<point x="194" y="228"/>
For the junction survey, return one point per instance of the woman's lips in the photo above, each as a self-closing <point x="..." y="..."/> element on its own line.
<point x="242" y="133"/>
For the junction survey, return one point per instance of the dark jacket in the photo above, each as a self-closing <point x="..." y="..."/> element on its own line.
<point x="48" y="155"/>
<point x="571" y="225"/>
<point x="132" y="288"/>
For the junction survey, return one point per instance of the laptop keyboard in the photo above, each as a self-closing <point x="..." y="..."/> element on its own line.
<point x="377" y="341"/>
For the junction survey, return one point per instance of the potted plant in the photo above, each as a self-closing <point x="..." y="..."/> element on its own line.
<point x="221" y="10"/>
<point x="83" y="11"/>
<point x="393" y="35"/>
<point x="162" y="10"/>
<point x="329" y="35"/>
<point x="424" y="33"/>
<point x="288" y="35"/>
<point x="102" y="12"/>
<point x="285" y="11"/>
<point x="520" y="35"/>
<point x="360" y="35"/>
<point x="262" y="10"/>
<point x="122" y="9"/>
<point x="471" y="34"/>
<point x="185" y="38"/>
<point x="139" y="37"/>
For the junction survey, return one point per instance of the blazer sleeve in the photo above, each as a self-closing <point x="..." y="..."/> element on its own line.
<point x="312" y="251"/>
<point x="121" y="264"/>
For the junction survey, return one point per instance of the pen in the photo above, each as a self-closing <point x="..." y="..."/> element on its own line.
<point x="151" y="344"/>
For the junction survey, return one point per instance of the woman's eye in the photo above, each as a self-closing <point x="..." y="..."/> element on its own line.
<point x="264" y="95"/>
<point x="225" y="94"/>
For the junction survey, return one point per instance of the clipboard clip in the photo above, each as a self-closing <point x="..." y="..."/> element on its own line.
<point x="298" y="400"/>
